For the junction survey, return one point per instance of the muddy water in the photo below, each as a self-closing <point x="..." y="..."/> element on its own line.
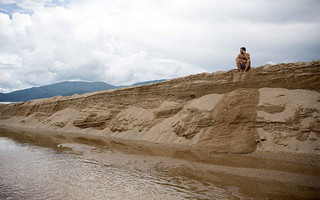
<point x="80" y="171"/>
<point x="31" y="172"/>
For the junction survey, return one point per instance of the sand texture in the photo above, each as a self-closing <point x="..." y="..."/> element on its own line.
<point x="272" y="108"/>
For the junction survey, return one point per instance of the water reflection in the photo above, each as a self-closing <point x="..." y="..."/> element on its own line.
<point x="112" y="171"/>
<point x="31" y="172"/>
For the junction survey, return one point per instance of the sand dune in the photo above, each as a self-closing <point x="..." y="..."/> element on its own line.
<point x="272" y="108"/>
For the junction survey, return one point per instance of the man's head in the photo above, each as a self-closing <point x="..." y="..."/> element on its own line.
<point x="242" y="50"/>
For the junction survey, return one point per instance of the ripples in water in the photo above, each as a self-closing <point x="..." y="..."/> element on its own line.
<point x="32" y="172"/>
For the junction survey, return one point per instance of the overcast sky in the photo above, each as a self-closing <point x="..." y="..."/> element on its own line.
<point x="122" y="42"/>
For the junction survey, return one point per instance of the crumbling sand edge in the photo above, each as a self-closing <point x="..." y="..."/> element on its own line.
<point x="53" y="139"/>
<point x="281" y="120"/>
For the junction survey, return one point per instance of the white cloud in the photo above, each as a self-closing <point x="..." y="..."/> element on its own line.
<point x="121" y="42"/>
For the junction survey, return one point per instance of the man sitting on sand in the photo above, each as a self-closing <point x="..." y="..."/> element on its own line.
<point x="243" y="60"/>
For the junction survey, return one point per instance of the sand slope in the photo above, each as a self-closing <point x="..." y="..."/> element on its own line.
<point x="271" y="108"/>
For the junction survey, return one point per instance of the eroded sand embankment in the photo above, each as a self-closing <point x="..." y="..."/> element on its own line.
<point x="269" y="109"/>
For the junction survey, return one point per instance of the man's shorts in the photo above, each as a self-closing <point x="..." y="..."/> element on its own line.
<point x="243" y="66"/>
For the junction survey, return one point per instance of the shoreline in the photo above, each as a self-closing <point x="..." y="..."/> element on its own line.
<point x="280" y="176"/>
<point x="54" y="138"/>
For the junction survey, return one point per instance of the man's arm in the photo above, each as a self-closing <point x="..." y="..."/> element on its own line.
<point x="247" y="56"/>
<point x="248" y="62"/>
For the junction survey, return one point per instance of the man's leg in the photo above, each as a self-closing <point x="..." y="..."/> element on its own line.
<point x="247" y="66"/>
<point x="238" y="65"/>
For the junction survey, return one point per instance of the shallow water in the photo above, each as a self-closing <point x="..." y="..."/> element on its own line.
<point x="79" y="171"/>
<point x="32" y="172"/>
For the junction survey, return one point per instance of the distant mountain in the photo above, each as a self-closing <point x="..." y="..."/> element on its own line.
<point x="66" y="88"/>
<point x="59" y="89"/>
<point x="143" y="83"/>
<point x="146" y="82"/>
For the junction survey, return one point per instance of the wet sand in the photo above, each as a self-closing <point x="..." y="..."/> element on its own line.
<point x="256" y="175"/>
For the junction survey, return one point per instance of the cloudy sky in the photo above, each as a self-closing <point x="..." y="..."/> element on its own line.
<point x="126" y="41"/>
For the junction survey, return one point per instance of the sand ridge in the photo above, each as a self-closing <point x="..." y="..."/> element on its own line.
<point x="269" y="109"/>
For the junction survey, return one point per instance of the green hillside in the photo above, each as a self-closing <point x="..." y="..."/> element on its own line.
<point x="59" y="89"/>
<point x="66" y="88"/>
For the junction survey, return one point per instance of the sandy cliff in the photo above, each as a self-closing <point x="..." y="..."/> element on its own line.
<point x="271" y="108"/>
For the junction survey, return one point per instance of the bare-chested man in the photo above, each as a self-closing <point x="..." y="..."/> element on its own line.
<point x="243" y="60"/>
